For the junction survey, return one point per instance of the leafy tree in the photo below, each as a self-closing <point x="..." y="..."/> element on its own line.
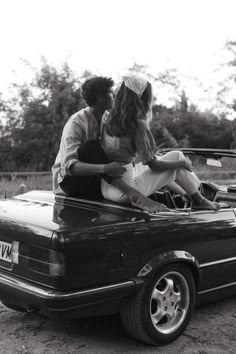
<point x="198" y="129"/>
<point x="160" y="131"/>
<point x="35" y="118"/>
<point x="182" y="104"/>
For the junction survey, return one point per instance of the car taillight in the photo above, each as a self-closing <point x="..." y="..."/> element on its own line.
<point x="15" y="252"/>
<point x="38" y="260"/>
<point x="56" y="263"/>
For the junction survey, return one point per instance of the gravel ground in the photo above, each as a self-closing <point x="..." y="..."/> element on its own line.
<point x="212" y="330"/>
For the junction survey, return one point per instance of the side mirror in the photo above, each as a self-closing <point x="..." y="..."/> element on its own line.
<point x="213" y="162"/>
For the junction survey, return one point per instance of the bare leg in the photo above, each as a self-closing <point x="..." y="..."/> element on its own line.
<point x="189" y="182"/>
<point x="200" y="202"/>
<point x="174" y="187"/>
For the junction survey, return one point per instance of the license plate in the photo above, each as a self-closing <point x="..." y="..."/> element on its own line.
<point x="5" y="251"/>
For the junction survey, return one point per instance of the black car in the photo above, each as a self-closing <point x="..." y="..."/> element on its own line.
<point x="69" y="257"/>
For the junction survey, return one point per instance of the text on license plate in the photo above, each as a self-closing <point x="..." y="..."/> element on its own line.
<point x="5" y="251"/>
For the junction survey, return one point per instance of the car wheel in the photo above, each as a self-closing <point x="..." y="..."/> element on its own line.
<point x="161" y="310"/>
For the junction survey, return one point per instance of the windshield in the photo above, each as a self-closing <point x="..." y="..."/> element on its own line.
<point x="221" y="171"/>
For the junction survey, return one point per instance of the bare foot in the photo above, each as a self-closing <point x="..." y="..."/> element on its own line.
<point x="205" y="204"/>
<point x="147" y="204"/>
<point x="154" y="207"/>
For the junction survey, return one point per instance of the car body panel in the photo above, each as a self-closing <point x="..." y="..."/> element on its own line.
<point x="97" y="250"/>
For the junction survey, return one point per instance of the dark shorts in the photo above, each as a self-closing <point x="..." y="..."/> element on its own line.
<point x="90" y="152"/>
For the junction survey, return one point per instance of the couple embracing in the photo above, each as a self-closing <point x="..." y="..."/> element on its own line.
<point x="98" y="150"/>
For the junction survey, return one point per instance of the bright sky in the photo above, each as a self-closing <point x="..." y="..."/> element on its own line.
<point x="108" y="36"/>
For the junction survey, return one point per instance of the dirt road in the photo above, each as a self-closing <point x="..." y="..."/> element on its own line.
<point x="211" y="331"/>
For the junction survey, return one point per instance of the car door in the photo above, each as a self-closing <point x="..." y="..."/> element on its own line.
<point x="214" y="245"/>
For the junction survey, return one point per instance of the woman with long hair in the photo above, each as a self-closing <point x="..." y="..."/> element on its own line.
<point x="126" y="138"/>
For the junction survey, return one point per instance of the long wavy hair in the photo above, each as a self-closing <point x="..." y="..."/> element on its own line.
<point x="128" y="109"/>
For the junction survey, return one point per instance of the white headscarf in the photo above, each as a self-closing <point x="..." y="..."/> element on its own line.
<point x="136" y="84"/>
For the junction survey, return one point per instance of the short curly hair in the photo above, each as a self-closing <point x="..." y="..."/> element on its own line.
<point x="92" y="88"/>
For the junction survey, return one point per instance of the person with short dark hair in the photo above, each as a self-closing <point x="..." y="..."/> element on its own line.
<point x="78" y="167"/>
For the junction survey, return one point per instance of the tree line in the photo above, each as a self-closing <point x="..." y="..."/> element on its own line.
<point x="32" y="121"/>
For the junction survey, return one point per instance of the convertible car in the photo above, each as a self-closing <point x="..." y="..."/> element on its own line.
<point x="68" y="257"/>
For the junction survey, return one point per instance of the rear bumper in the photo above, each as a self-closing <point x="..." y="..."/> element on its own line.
<point x="30" y="296"/>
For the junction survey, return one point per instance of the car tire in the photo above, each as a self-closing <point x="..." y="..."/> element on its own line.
<point x="162" y="308"/>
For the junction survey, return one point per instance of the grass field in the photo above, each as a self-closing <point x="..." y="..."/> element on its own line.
<point x="18" y="185"/>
